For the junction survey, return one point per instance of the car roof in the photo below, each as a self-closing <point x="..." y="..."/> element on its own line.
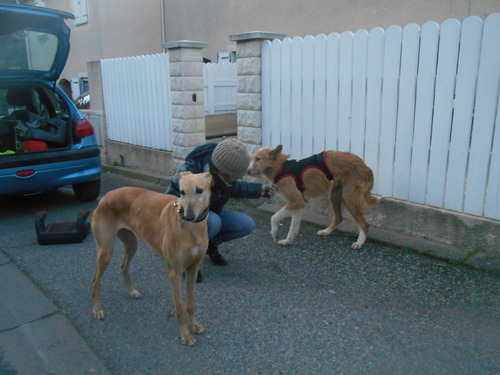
<point x="34" y="42"/>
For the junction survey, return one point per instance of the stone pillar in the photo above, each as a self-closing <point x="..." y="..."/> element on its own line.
<point x="249" y="67"/>
<point x="188" y="102"/>
<point x="96" y="113"/>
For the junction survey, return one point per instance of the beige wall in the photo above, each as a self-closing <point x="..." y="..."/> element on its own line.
<point x="116" y="28"/>
<point x="119" y="28"/>
<point x="213" y="21"/>
<point x="298" y="17"/>
<point x="199" y="20"/>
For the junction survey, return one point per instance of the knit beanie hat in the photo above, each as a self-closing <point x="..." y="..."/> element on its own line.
<point x="231" y="158"/>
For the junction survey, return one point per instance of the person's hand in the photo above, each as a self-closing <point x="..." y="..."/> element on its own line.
<point x="268" y="191"/>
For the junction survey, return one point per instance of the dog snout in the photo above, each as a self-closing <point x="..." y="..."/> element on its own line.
<point x="189" y="214"/>
<point x="250" y="169"/>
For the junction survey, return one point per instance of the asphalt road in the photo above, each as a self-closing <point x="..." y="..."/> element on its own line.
<point x="316" y="307"/>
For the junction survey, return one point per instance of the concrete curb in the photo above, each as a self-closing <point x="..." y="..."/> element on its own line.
<point x="388" y="218"/>
<point x="35" y="337"/>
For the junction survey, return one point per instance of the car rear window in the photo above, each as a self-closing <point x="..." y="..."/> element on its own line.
<point x="28" y="50"/>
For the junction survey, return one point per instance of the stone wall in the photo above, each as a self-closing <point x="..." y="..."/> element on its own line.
<point x="249" y="121"/>
<point x="188" y="102"/>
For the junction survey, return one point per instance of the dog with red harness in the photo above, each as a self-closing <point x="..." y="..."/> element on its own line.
<point x="345" y="177"/>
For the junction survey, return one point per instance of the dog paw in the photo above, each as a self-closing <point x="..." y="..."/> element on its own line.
<point x="284" y="242"/>
<point x="134" y="294"/>
<point x="99" y="314"/>
<point x="188" y="340"/>
<point x="197" y="328"/>
<point x="324" y="232"/>
<point x="357" y="246"/>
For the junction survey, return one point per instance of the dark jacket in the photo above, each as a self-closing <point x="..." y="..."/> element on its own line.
<point x="200" y="160"/>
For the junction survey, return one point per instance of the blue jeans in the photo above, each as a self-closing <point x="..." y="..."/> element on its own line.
<point x="228" y="225"/>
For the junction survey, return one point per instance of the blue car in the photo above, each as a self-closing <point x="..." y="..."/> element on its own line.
<point x="45" y="142"/>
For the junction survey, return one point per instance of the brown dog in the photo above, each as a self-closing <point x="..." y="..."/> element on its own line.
<point x="343" y="175"/>
<point x="175" y="228"/>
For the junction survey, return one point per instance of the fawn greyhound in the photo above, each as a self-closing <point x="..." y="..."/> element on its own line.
<point x="345" y="177"/>
<point x="175" y="228"/>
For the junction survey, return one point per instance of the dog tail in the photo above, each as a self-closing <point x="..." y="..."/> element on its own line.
<point x="371" y="201"/>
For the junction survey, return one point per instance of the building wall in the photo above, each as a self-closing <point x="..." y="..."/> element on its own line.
<point x="298" y="17"/>
<point x="116" y="28"/>
<point x="119" y="28"/>
<point x="213" y="21"/>
<point x="199" y="20"/>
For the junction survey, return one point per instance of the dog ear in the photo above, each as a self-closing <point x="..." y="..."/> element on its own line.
<point x="274" y="153"/>
<point x="209" y="177"/>
<point x="182" y="174"/>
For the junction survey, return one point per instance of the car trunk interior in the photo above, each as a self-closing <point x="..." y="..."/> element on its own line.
<point x="32" y="118"/>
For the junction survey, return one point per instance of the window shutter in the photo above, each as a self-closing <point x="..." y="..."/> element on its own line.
<point x="80" y="10"/>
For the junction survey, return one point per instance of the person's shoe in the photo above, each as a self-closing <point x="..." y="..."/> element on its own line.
<point x="215" y="256"/>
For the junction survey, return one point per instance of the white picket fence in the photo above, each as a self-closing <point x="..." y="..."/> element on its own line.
<point x="420" y="105"/>
<point x="137" y="100"/>
<point x="220" y="88"/>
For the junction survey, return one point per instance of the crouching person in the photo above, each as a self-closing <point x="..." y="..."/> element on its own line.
<point x="227" y="161"/>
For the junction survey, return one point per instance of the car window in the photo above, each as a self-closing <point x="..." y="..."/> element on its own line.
<point x="57" y="106"/>
<point x="28" y="50"/>
<point x="38" y="100"/>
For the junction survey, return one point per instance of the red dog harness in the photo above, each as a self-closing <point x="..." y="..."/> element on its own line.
<point x="296" y="169"/>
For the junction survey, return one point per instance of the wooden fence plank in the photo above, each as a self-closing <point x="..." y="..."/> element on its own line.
<point x="296" y="100"/>
<point x="332" y="91"/>
<point x="392" y="58"/>
<point x="266" y="93"/>
<point x="157" y="135"/>
<point x="492" y="203"/>
<point x="424" y="105"/>
<point x="468" y="63"/>
<point x="443" y="111"/>
<point x="345" y="91"/>
<point x="307" y="96"/>
<point x="166" y="100"/>
<point x="286" y="92"/>
<point x="360" y="55"/>
<point x="406" y="110"/>
<point x="276" y="125"/>
<point x="487" y="103"/>
<point x="141" y="82"/>
<point x="319" y="80"/>
<point x="374" y="74"/>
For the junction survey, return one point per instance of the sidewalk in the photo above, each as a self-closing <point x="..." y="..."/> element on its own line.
<point x="35" y="337"/>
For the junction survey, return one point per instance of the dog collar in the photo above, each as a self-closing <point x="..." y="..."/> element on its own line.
<point x="180" y="210"/>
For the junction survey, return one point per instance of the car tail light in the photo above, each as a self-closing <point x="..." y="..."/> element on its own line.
<point x="25" y="173"/>
<point x="84" y="128"/>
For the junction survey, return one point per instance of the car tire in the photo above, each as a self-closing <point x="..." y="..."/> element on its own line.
<point x="87" y="191"/>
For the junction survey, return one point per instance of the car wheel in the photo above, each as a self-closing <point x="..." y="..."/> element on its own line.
<point x="87" y="191"/>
